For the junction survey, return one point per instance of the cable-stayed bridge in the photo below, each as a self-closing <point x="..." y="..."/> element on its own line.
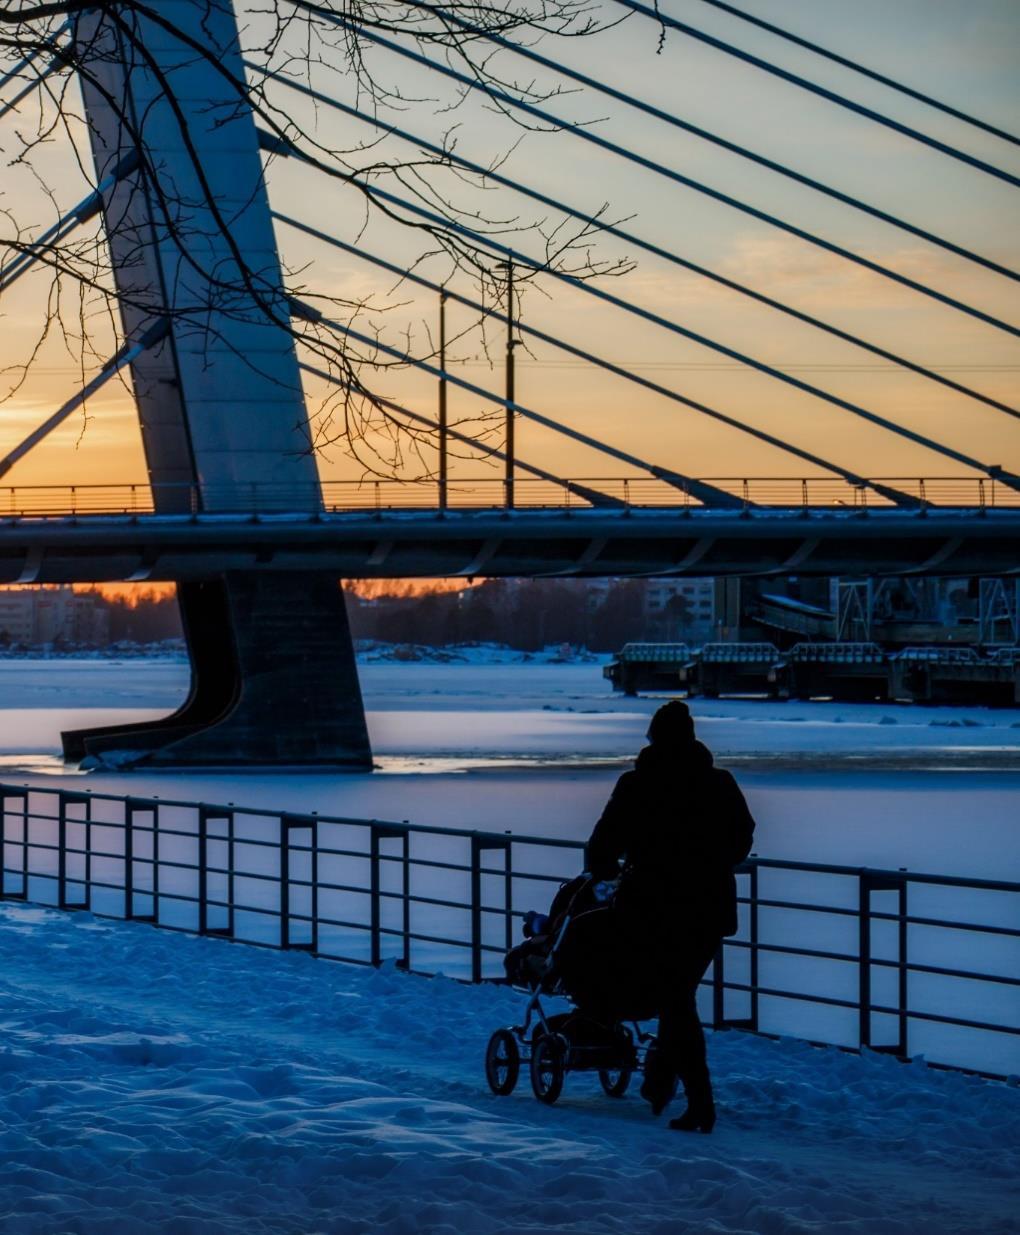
<point x="219" y="345"/>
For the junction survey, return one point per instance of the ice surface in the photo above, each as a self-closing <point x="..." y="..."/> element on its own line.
<point x="537" y="747"/>
<point x="527" y="709"/>
<point x="158" y="1083"/>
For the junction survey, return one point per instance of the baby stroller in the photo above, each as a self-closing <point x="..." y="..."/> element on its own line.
<point x="575" y="951"/>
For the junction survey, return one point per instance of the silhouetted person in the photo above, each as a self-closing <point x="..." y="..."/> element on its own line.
<point x="679" y="826"/>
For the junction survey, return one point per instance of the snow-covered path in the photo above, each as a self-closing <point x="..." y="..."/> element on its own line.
<point x="158" y="1083"/>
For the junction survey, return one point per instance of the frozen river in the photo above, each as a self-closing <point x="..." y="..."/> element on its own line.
<point x="535" y="748"/>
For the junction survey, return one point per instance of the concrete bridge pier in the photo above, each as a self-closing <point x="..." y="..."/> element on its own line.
<point x="273" y="683"/>
<point x="220" y="399"/>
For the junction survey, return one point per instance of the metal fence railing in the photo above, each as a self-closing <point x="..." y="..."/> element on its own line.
<point x="850" y="956"/>
<point x="490" y="492"/>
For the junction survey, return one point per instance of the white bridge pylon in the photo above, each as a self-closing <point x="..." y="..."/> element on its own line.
<point x="220" y="400"/>
<point x="219" y="397"/>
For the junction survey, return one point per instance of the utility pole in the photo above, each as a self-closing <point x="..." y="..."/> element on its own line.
<point x="442" y="402"/>
<point x="509" y="478"/>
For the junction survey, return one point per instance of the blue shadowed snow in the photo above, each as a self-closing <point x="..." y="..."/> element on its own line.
<point x="157" y="1083"/>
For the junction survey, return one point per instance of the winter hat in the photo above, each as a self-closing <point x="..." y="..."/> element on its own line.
<point x="671" y="725"/>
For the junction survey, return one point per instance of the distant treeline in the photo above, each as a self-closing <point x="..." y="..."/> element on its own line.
<point x="526" y="614"/>
<point x="146" y="617"/>
<point x="520" y="613"/>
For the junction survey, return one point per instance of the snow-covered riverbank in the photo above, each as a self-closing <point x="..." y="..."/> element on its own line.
<point x="176" y="1086"/>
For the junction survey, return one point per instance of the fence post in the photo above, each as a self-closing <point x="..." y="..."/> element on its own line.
<point x="476" y="909"/>
<point x="288" y="824"/>
<point x="205" y="815"/>
<point x="901" y="985"/>
<point x="719" y="1018"/>
<point x="718" y="988"/>
<point x="203" y="878"/>
<point x="864" y="959"/>
<point x="313" y="875"/>
<point x="481" y="844"/>
<point x="88" y="853"/>
<point x="155" y="863"/>
<point x="132" y="807"/>
<point x="508" y="895"/>
<point x="61" y="850"/>
<point x="129" y="861"/>
<point x="753" y="935"/>
<point x="405" y="962"/>
<point x="871" y="882"/>
<point x="64" y="800"/>
<point x="381" y="832"/>
<point x="375" y="916"/>
<point x="227" y="931"/>
<point x="23" y="894"/>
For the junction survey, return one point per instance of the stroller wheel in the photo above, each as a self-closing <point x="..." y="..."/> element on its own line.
<point x="548" y="1067"/>
<point x="615" y="1081"/>
<point x="502" y="1062"/>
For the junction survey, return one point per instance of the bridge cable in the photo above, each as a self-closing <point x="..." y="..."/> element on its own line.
<point x="125" y="356"/>
<point x="48" y="45"/>
<point x="25" y="91"/>
<point x="669" y="174"/>
<point x="269" y="142"/>
<point x="85" y="210"/>
<point x="595" y="496"/>
<point x="20" y="67"/>
<point x="706" y="493"/>
<point x="857" y="67"/>
<point x="662" y="19"/>
<point x="706" y="135"/>
<point x="992" y="470"/>
<point x="886" y="491"/>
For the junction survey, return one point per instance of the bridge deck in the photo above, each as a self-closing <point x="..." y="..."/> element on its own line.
<point x="492" y="542"/>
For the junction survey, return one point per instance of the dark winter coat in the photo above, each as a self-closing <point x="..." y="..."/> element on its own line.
<point x="679" y="826"/>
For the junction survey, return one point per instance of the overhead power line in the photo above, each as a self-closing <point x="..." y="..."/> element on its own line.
<point x="607" y="365"/>
<point x="732" y="147"/>
<point x="857" y="67"/>
<point x="663" y="19"/>
<point x="638" y="160"/>
<point x="271" y="143"/>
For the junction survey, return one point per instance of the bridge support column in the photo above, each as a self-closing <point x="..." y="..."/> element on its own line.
<point x="273" y="683"/>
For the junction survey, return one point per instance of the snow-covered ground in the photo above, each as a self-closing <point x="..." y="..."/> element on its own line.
<point x="153" y="1082"/>
<point x="158" y="1084"/>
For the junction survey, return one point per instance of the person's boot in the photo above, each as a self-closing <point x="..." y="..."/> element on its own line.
<point x="700" y="1113"/>
<point x="659" y="1084"/>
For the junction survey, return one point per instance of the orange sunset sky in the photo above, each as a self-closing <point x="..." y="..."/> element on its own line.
<point x="963" y="52"/>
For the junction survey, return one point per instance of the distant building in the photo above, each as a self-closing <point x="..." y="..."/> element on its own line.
<point x="17" y="616"/>
<point x="677" y="609"/>
<point x="35" y="616"/>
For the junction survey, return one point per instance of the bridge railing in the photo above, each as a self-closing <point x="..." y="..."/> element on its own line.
<point x="888" y="960"/>
<point x="487" y="492"/>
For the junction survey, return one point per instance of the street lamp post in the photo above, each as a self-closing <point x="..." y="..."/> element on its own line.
<point x="443" y="476"/>
<point x="510" y="343"/>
